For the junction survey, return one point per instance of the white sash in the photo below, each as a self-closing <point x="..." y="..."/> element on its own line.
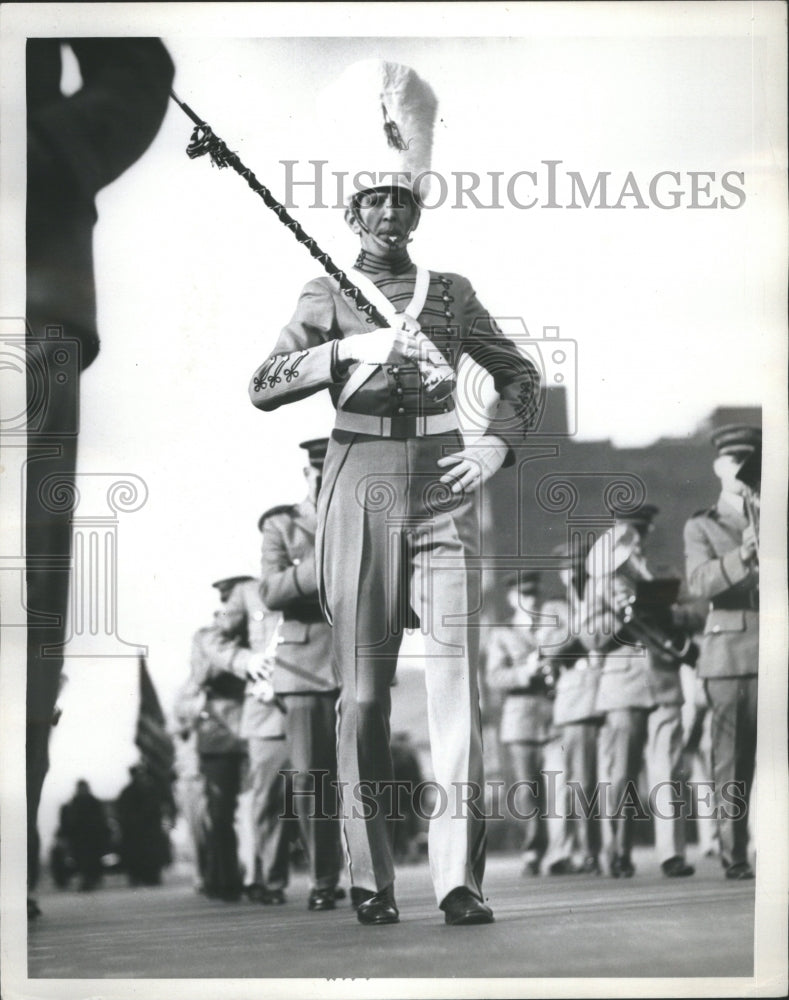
<point x="363" y="372"/>
<point x="380" y="301"/>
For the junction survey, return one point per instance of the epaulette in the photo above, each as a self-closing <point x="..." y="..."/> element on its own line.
<point x="283" y="508"/>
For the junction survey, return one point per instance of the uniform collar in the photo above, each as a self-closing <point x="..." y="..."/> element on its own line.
<point x="395" y="263"/>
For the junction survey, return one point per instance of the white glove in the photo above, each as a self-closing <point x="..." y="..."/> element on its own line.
<point x="474" y="465"/>
<point x="532" y="663"/>
<point x="263" y="690"/>
<point x="377" y="347"/>
<point x="259" y="667"/>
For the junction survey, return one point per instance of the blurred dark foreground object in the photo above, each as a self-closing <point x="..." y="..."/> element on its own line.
<point x="76" y="146"/>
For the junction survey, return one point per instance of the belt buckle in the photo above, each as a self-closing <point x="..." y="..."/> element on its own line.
<point x="402" y="426"/>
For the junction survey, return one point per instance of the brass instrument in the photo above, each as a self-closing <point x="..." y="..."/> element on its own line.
<point x="750" y="475"/>
<point x="653" y="626"/>
<point x="647" y="617"/>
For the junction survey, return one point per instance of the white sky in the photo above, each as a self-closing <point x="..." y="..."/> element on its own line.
<point x="673" y="312"/>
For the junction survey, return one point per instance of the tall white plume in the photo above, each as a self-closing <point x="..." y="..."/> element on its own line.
<point x="373" y="108"/>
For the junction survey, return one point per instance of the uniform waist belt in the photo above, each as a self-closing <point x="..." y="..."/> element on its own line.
<point x="396" y="427"/>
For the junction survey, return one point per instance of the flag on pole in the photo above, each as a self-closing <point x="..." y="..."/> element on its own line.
<point x="154" y="742"/>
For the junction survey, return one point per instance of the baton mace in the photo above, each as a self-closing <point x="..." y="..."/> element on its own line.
<point x="438" y="380"/>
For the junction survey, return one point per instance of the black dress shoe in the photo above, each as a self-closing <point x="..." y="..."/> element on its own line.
<point x="677" y="867"/>
<point x="321" y="899"/>
<point x="273" y="897"/>
<point x="380" y="908"/>
<point x="562" y="867"/>
<point x="622" y="867"/>
<point x="590" y="865"/>
<point x="462" y="907"/>
<point x="740" y="872"/>
<point x="339" y="892"/>
<point x="359" y="896"/>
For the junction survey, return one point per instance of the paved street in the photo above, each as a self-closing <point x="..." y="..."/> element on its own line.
<point x="545" y="927"/>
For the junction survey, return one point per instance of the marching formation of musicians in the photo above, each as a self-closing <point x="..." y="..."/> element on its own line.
<point x="590" y="692"/>
<point x="386" y="540"/>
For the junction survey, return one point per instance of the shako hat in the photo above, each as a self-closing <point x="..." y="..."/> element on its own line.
<point x="378" y="118"/>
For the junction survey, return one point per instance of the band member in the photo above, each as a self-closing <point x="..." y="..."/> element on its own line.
<point x="397" y="514"/>
<point x="513" y="666"/>
<point x="640" y="697"/>
<point x="576" y="715"/>
<point x="721" y="558"/>
<point x="222" y="751"/>
<point x="189" y="786"/>
<point x="245" y="619"/>
<point x="304" y="677"/>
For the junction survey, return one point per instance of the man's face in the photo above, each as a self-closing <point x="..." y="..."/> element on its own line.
<point x="313" y="477"/>
<point x="390" y="214"/>
<point x="726" y="468"/>
<point x="230" y="620"/>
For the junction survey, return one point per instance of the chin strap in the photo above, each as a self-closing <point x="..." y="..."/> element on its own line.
<point x="394" y="242"/>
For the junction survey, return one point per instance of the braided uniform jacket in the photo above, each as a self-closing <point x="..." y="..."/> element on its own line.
<point x="304" y="359"/>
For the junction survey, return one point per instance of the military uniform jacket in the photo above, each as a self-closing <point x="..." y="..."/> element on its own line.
<point x="513" y="668"/>
<point x="730" y="647"/>
<point x="219" y="722"/>
<point x="577" y="684"/>
<point x="259" y="720"/>
<point x="304" y="359"/>
<point x="632" y="676"/>
<point x="289" y="584"/>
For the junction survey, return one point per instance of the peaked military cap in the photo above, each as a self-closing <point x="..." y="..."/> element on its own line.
<point x="316" y="449"/>
<point x="737" y="439"/>
<point x="226" y="583"/>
